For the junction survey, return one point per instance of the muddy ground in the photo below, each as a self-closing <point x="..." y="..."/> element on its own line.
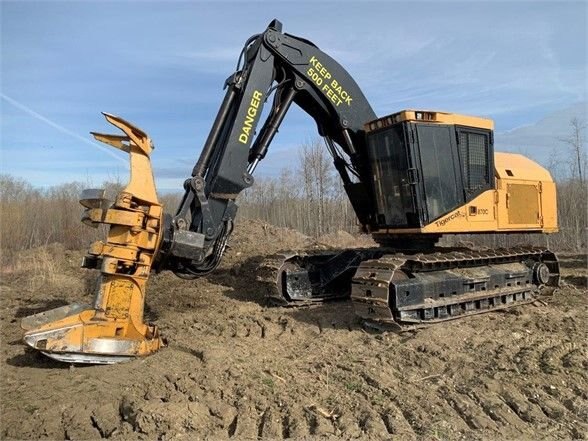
<point x="235" y="368"/>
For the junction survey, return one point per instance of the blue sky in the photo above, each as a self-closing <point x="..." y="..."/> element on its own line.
<point x="163" y="65"/>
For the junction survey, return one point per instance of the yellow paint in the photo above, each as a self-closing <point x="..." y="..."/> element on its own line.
<point x="119" y="300"/>
<point x="330" y="87"/>
<point x="250" y="117"/>
<point x="429" y="116"/>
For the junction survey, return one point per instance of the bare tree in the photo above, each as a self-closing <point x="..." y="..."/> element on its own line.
<point x="576" y="143"/>
<point x="317" y="174"/>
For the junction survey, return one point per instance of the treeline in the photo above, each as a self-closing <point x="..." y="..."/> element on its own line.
<point x="32" y="217"/>
<point x="308" y="197"/>
<point x="311" y="199"/>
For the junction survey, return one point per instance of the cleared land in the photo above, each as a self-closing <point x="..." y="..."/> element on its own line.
<point x="235" y="368"/>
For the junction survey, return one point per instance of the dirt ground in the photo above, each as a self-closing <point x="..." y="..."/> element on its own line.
<point x="236" y="368"/>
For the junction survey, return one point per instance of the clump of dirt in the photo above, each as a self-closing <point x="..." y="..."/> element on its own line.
<point x="253" y="237"/>
<point x="237" y="369"/>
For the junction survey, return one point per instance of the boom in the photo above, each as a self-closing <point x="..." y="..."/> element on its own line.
<point x="295" y="71"/>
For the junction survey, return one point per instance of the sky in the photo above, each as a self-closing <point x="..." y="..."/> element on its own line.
<point x="162" y="66"/>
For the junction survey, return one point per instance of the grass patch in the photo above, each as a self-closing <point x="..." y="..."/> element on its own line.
<point x="268" y="382"/>
<point x="353" y="386"/>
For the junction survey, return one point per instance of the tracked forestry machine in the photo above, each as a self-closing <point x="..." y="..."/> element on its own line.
<point x="411" y="177"/>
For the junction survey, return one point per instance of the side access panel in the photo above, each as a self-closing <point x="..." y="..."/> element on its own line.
<point x="522" y="203"/>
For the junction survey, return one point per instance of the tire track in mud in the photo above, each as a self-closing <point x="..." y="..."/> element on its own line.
<point x="409" y="416"/>
<point x="527" y="406"/>
<point x="294" y="419"/>
<point x="484" y="406"/>
<point x="550" y="407"/>
<point x="245" y="424"/>
<point x="524" y="409"/>
<point x="468" y="410"/>
<point x="513" y="375"/>
<point x="395" y="422"/>
<point x="544" y="356"/>
<point x="497" y="410"/>
<point x="481" y="407"/>
<point x="571" y="399"/>
<point x="567" y="356"/>
<point x="412" y="408"/>
<point x="293" y="423"/>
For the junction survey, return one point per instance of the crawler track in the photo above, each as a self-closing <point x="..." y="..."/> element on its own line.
<point x="312" y="277"/>
<point x="391" y="287"/>
<point x="429" y="288"/>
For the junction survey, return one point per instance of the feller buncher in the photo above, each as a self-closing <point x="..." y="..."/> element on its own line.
<point x="411" y="177"/>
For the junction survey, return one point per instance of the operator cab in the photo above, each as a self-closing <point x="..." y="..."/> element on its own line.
<point x="426" y="164"/>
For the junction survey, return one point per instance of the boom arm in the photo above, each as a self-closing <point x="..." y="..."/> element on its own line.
<point x="294" y="70"/>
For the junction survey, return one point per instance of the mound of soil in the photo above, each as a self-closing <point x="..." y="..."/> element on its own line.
<point x="343" y="239"/>
<point x="235" y="368"/>
<point x="253" y="238"/>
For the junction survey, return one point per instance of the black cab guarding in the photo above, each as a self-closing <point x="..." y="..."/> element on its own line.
<point x="426" y="164"/>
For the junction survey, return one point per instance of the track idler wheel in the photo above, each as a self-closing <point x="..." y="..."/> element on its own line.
<point x="541" y="273"/>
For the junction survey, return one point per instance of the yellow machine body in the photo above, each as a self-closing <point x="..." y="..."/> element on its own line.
<point x="523" y="198"/>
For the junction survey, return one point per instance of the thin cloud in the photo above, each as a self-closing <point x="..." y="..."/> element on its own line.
<point x="62" y="129"/>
